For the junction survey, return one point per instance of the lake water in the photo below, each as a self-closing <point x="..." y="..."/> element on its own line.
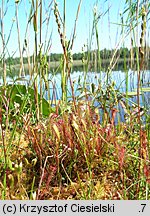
<point x="119" y="77"/>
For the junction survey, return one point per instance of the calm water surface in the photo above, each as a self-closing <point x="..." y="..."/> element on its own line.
<point x="119" y="77"/>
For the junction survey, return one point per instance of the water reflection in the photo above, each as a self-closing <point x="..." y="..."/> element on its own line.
<point x="123" y="81"/>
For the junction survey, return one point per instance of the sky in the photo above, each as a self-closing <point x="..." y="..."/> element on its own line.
<point x="108" y="24"/>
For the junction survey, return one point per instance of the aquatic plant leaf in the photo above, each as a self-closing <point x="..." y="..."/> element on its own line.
<point x="19" y="92"/>
<point x="133" y="93"/>
<point x="147" y="89"/>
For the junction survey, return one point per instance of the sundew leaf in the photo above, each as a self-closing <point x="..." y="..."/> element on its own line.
<point x="75" y="125"/>
<point x="56" y="131"/>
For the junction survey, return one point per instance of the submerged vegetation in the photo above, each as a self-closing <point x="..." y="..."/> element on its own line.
<point x="76" y="147"/>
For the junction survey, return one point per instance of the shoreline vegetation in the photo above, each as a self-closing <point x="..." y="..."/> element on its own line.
<point x="122" y="54"/>
<point x="77" y="63"/>
<point x="76" y="147"/>
<point x="55" y="64"/>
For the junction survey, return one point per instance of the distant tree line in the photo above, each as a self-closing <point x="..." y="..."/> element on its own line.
<point x="104" y="55"/>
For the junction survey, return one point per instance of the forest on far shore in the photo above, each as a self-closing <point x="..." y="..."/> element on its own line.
<point x="105" y="54"/>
